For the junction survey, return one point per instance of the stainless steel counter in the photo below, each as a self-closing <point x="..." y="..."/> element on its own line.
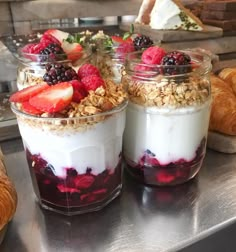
<point x="142" y="219"/>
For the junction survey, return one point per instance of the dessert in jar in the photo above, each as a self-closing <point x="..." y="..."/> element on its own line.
<point x="167" y="116"/>
<point x="53" y="46"/>
<point x="112" y="50"/>
<point x="72" y="133"/>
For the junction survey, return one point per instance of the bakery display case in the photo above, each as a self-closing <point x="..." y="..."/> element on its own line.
<point x="195" y="216"/>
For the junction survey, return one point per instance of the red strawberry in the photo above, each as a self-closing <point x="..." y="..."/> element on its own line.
<point x="84" y="181"/>
<point x="153" y="55"/>
<point x="28" y="48"/>
<point x="88" y="69"/>
<point x="92" y="82"/>
<point x="125" y="48"/>
<point x="119" y="39"/>
<point x="73" y="50"/>
<point x="78" y="86"/>
<point x="54" y="99"/>
<point x="29" y="92"/>
<point x="48" y="39"/>
<point x="59" y="35"/>
<point x="29" y="109"/>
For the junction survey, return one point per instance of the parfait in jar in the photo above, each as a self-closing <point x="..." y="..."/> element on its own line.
<point x="167" y="116"/>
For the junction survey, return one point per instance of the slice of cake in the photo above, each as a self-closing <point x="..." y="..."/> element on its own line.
<point x="172" y="15"/>
<point x="168" y="15"/>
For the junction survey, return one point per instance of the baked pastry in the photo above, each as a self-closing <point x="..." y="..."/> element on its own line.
<point x="168" y="15"/>
<point x="8" y="196"/>
<point x="223" y="113"/>
<point x="229" y="76"/>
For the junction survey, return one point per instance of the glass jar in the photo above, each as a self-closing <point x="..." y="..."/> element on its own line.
<point x="167" y="119"/>
<point x="110" y="62"/>
<point x="32" y="67"/>
<point x="75" y="163"/>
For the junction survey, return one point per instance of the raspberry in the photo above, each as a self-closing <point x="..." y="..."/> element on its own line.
<point x="92" y="82"/>
<point x="87" y="69"/>
<point x="178" y="62"/>
<point x="153" y="55"/>
<point x="79" y="91"/>
<point x="56" y="73"/>
<point x="141" y="42"/>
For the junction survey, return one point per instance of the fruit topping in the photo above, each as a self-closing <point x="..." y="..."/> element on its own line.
<point x="28" y="108"/>
<point x="54" y="99"/>
<point x="79" y="91"/>
<point x="56" y="73"/>
<point x="47" y="39"/>
<point x="52" y="52"/>
<point x="73" y="50"/>
<point x="29" y="92"/>
<point x="142" y="42"/>
<point x="92" y="82"/>
<point x="153" y="55"/>
<point x="118" y="39"/>
<point x="176" y="58"/>
<point x="59" y="35"/>
<point x="88" y="69"/>
<point x="125" y="48"/>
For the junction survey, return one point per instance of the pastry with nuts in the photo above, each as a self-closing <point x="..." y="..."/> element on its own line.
<point x="168" y="114"/>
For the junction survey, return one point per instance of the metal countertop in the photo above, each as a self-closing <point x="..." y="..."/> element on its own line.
<point x="142" y="219"/>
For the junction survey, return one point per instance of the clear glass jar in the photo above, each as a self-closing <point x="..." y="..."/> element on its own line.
<point x="31" y="67"/>
<point x="167" y="119"/>
<point x="75" y="163"/>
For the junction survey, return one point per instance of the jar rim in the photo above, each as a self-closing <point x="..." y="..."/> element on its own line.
<point x="114" y="110"/>
<point x="200" y="63"/>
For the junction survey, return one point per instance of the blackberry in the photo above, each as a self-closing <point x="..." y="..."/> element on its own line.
<point x="56" y="73"/>
<point x="52" y="52"/>
<point x="141" y="42"/>
<point x="178" y="62"/>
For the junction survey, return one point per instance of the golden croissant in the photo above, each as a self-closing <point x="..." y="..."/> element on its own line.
<point x="223" y="112"/>
<point x="8" y="196"/>
<point x="229" y="76"/>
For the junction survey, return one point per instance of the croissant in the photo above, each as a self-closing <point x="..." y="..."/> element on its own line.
<point x="229" y="76"/>
<point x="8" y="196"/>
<point x="223" y="112"/>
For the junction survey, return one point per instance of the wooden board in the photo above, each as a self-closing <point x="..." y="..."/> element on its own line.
<point x="174" y="35"/>
<point x="220" y="5"/>
<point x="222" y="143"/>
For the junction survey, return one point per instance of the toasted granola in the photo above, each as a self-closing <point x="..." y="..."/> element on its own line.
<point x="165" y="92"/>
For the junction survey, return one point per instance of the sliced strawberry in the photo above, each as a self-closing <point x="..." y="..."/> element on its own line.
<point x="54" y="99"/>
<point x="79" y="91"/>
<point x="84" y="181"/>
<point x="73" y="50"/>
<point x="48" y="39"/>
<point x="119" y="39"/>
<point x="28" y="48"/>
<point x="29" y="92"/>
<point x="29" y="109"/>
<point x="59" y="35"/>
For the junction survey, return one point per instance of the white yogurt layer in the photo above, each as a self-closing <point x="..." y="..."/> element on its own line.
<point x="171" y="134"/>
<point x="98" y="147"/>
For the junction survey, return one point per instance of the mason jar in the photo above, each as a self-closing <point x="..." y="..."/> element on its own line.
<point x="32" y="67"/>
<point x="75" y="162"/>
<point x="167" y="119"/>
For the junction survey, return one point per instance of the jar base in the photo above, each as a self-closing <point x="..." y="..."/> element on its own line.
<point x="156" y="176"/>
<point x="70" y="211"/>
